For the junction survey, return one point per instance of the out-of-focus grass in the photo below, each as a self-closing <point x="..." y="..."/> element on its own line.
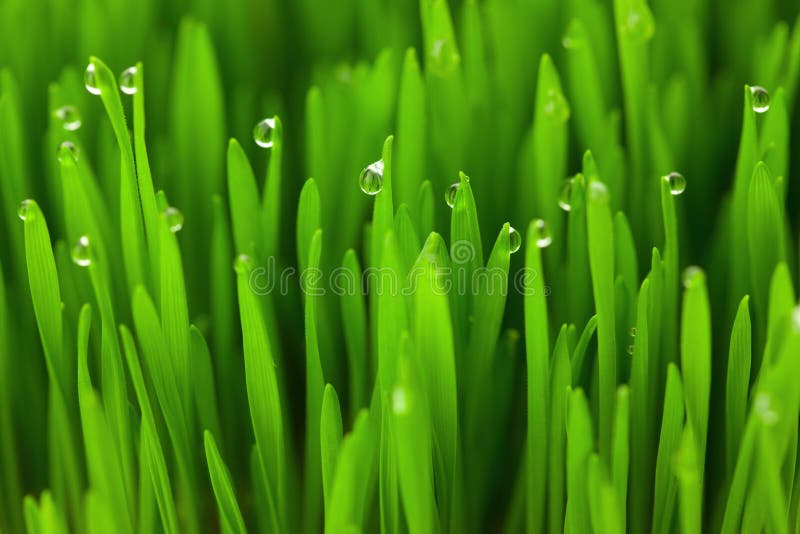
<point x="386" y="362"/>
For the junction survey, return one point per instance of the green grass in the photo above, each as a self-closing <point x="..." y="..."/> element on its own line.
<point x="201" y="334"/>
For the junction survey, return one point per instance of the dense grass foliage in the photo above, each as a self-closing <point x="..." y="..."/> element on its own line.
<point x="388" y="266"/>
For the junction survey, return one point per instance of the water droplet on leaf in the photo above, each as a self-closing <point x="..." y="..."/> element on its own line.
<point x="556" y="105"/>
<point x="243" y="264"/>
<point x="598" y="191"/>
<point x="676" y="182"/>
<point x="542" y="233"/>
<point x="127" y="80"/>
<point x="81" y="252"/>
<point x="689" y="275"/>
<point x="90" y="80"/>
<point x="631" y="349"/>
<point x="514" y="240"/>
<point x="760" y="99"/>
<point x="22" y="209"/>
<point x="67" y="149"/>
<point x="450" y="195"/>
<point x="262" y="133"/>
<point x="444" y="57"/>
<point x="632" y="331"/>
<point x="174" y="218"/>
<point x="69" y="116"/>
<point x="565" y="196"/>
<point x="765" y="409"/>
<point x="371" y="179"/>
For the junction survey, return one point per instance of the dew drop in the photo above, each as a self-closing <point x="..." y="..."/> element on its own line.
<point x="444" y="57"/>
<point x="760" y="99"/>
<point x="262" y="133"/>
<point x="243" y="264"/>
<point x="565" y="196"/>
<point x="631" y="349"/>
<point x="81" y="252"/>
<point x="90" y="80"/>
<point x="68" y="149"/>
<point x="69" y="116"/>
<point x="399" y="400"/>
<point x="371" y="179"/>
<point x="598" y="191"/>
<point x="23" y="208"/>
<point x="765" y="409"/>
<point x="575" y="37"/>
<point x="556" y="105"/>
<point x="689" y="275"/>
<point x="450" y="195"/>
<point x="796" y="319"/>
<point x="632" y="331"/>
<point x="174" y="218"/>
<point x="127" y="80"/>
<point x="514" y="240"/>
<point x="639" y="23"/>
<point x="542" y="233"/>
<point x="676" y="182"/>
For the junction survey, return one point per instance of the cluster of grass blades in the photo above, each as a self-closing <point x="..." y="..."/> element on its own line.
<point x="306" y="328"/>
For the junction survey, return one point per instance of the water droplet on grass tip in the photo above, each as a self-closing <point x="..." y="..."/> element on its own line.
<point x="371" y="179"/>
<point x="81" y="252"/>
<point x="689" y="275"/>
<point x="22" y="209"/>
<point x="796" y="319"/>
<point x="450" y="195"/>
<point x="69" y="116"/>
<point x="67" y="149"/>
<point x="514" y="240"/>
<point x="90" y="80"/>
<point x="262" y="133"/>
<point x="565" y="196"/>
<point x="676" y="182"/>
<point x="444" y="57"/>
<point x="598" y="191"/>
<point x="556" y="105"/>
<point x="127" y="81"/>
<point x="760" y="99"/>
<point x="243" y="264"/>
<point x="174" y="218"/>
<point x="542" y="233"/>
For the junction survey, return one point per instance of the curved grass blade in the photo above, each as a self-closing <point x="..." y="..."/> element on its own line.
<point x="668" y="443"/>
<point x="264" y="401"/>
<point x="580" y="444"/>
<point x="696" y="361"/>
<point x="414" y="444"/>
<point x="601" y="259"/>
<point x="354" y="324"/>
<point x="133" y="240"/>
<point x="330" y="431"/>
<point x="271" y="199"/>
<point x="737" y="384"/>
<point x="152" y="454"/>
<point x="230" y="517"/>
<point x="205" y="393"/>
<point x="537" y="348"/>
<point x="560" y="381"/>
<point x="315" y="386"/>
<point x="243" y="197"/>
